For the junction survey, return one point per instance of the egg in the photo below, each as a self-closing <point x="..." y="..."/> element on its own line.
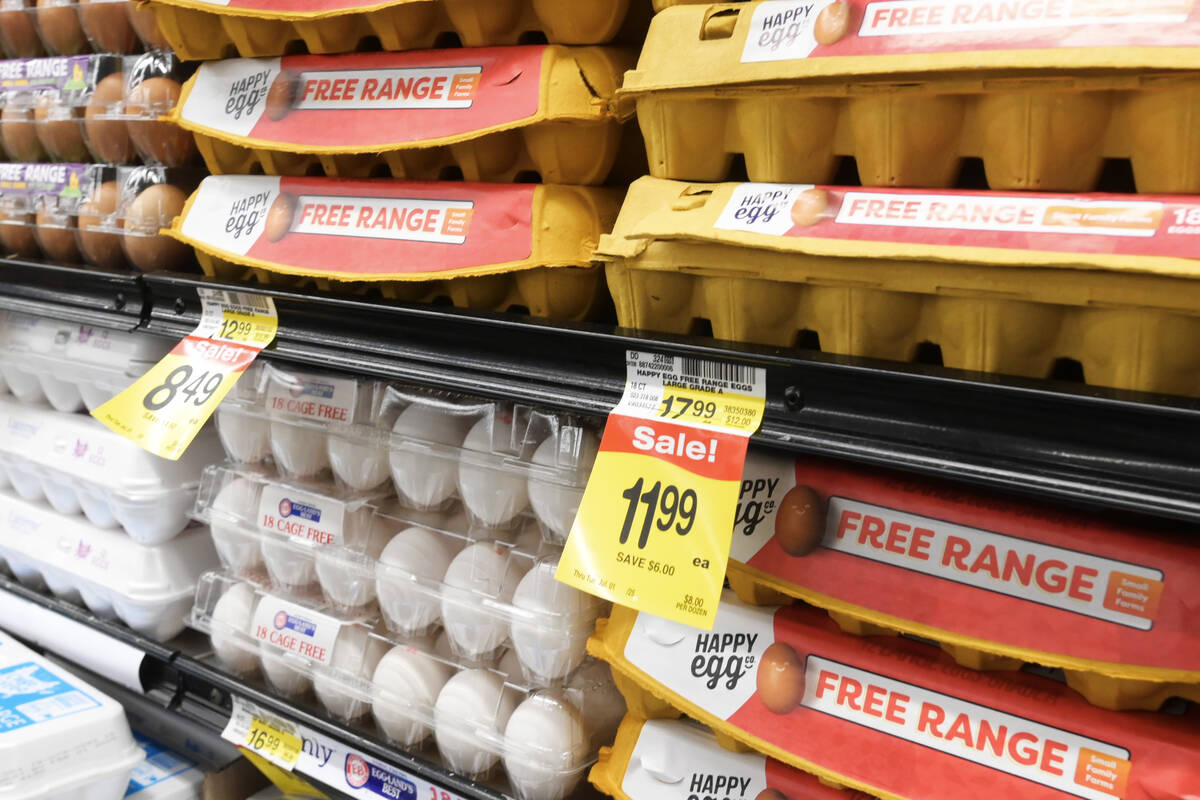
<point x="480" y="577"/>
<point x="832" y="23"/>
<point x="490" y="492"/>
<point x="107" y="25"/>
<point x="56" y="234"/>
<point x="600" y="702"/>
<point x="281" y="95"/>
<point x="347" y="573"/>
<point x="151" y="210"/>
<point x="59" y="129"/>
<point x="360" y="462"/>
<point x="244" y="435"/>
<point x="406" y="687"/>
<point x="231" y="618"/>
<point x="106" y="135"/>
<point x="19" y="133"/>
<point x="343" y="685"/>
<point x="231" y="521"/>
<point x="550" y="637"/>
<point x="58" y="22"/>
<point x="412" y="565"/>
<point x="545" y="748"/>
<point x="285" y="671"/>
<point x="144" y="20"/>
<point x="424" y="479"/>
<point x="800" y="521"/>
<point x="16" y="234"/>
<point x="809" y="207"/>
<point x="289" y="561"/>
<point x="780" y="679"/>
<point x="473" y="702"/>
<point x="279" y="217"/>
<point x="18" y="31"/>
<point x="99" y="248"/>
<point x="554" y="492"/>
<point x="158" y="142"/>
<point x="299" y="450"/>
<point x="771" y="794"/>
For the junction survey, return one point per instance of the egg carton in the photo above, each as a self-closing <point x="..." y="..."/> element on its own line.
<point x="62" y="737"/>
<point x="164" y="774"/>
<point x="39" y="207"/>
<point x="255" y="29"/>
<point x="978" y="299"/>
<point x="77" y="464"/>
<point x="1044" y="119"/>
<point x="533" y="110"/>
<point x="481" y="717"/>
<point x="501" y="460"/>
<point x="148" y="587"/>
<point x="71" y="27"/>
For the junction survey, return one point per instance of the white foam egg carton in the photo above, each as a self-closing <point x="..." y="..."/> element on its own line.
<point x="149" y="588"/>
<point x="80" y="466"/>
<point x="490" y="589"/>
<point x="164" y="774"/>
<point x="59" y="736"/>
<point x="482" y="717"/>
<point x="503" y="462"/>
<point x="71" y="366"/>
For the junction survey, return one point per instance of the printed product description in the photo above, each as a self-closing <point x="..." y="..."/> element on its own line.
<point x="54" y="180"/>
<point x="30" y="694"/>
<point x="444" y="221"/>
<point x="308" y="518"/>
<point x="311" y="396"/>
<point x="785" y="29"/>
<point x="654" y="525"/>
<point x="267" y="735"/>
<point x="295" y="629"/>
<point x="64" y="73"/>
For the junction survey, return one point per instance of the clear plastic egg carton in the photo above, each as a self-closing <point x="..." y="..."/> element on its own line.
<point x="76" y="464"/>
<point x="70" y="366"/>
<point x="39" y="204"/>
<point x="481" y="717"/>
<point x="32" y="28"/>
<point x="506" y="463"/>
<point x="149" y="588"/>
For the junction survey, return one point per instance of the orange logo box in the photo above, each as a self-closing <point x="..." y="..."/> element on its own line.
<point x="1103" y="773"/>
<point x="1133" y="595"/>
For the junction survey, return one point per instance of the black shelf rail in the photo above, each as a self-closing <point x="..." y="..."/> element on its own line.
<point x="86" y="295"/>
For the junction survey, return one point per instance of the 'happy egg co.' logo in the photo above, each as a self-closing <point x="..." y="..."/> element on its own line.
<point x="357" y="771"/>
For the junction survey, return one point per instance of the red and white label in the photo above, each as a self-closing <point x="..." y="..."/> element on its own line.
<point x="310" y="518"/>
<point x="284" y="625"/>
<point x="316" y="397"/>
<point x="442" y="221"/>
<point x="446" y="87"/>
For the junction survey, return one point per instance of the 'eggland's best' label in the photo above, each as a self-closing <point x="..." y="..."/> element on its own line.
<point x="287" y="626"/>
<point x="309" y="518"/>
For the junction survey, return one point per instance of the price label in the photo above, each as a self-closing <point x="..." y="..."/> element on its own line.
<point x="165" y="408"/>
<point x="654" y="525"/>
<point x="266" y="735"/>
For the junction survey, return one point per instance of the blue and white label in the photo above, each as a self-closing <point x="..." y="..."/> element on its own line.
<point x="30" y="693"/>
<point x="383" y="781"/>
<point x="313" y="519"/>
<point x="287" y="626"/>
<point x="160" y="765"/>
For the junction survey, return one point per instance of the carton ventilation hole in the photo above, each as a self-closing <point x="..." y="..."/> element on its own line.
<point x="441" y="300"/>
<point x="295" y="47"/>
<point x="719" y="25"/>
<point x="1067" y="369"/>
<point x="518" y="309"/>
<point x="447" y="40"/>
<point x="807" y="340"/>
<point x="533" y="37"/>
<point x="380" y="171"/>
<point x="369" y="44"/>
<point x="701" y="326"/>
<point x="528" y="176"/>
<point x="737" y="169"/>
<point x="314" y="170"/>
<point x="928" y="353"/>
<point x="847" y="173"/>
<point x="971" y="175"/>
<point x="256" y="168"/>
<point x="1116" y="176"/>
<point x="451" y="172"/>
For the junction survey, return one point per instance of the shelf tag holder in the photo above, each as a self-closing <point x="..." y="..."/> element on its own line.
<point x="268" y="736"/>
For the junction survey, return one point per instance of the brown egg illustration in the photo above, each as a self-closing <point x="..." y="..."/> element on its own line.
<point x="59" y="24"/>
<point x="150" y="211"/>
<point x="780" y="679"/>
<point x="800" y="521"/>
<point x="107" y="25"/>
<point x="281" y="95"/>
<point x="19" y="133"/>
<point x="771" y="794"/>
<point x="108" y="137"/>
<point x="832" y="23"/>
<point x="56" y="233"/>
<point x="59" y="129"/>
<point x="279" y="217"/>
<point x="810" y="206"/>
<point x="20" y="36"/>
<point x="144" y="20"/>
<point x="99" y="248"/>
<point x="157" y="142"/>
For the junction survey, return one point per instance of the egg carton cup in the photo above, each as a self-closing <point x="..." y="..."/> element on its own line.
<point x="416" y="689"/>
<point x="149" y="588"/>
<point x="78" y="465"/>
<point x="72" y="367"/>
<point x="403" y="25"/>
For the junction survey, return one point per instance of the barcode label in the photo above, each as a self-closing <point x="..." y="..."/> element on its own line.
<point x="716" y="370"/>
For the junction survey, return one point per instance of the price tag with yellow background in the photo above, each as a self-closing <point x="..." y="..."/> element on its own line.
<point x="165" y="408"/>
<point x="272" y="738"/>
<point x="654" y="526"/>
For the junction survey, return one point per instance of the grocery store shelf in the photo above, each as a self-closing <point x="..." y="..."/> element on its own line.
<point x="84" y="294"/>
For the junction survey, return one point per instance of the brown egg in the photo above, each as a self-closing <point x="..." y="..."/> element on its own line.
<point x="809" y="207"/>
<point x="279" y="217"/>
<point x="59" y="129"/>
<point x="19" y="133"/>
<point x="832" y="23"/>
<point x="59" y="25"/>
<point x="800" y="521"/>
<point x="145" y="23"/>
<point x="780" y="679"/>
<point x="16" y="235"/>
<point x="157" y="142"/>
<point x="56" y="234"/>
<point x="150" y="211"/>
<point x="99" y="248"/>
<point x="281" y="95"/>
<point x="107" y="24"/>
<point x="19" y="33"/>
<point x="771" y="794"/>
<point x="108" y="138"/>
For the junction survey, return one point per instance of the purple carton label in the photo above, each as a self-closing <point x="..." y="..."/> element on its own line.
<point x="54" y="180"/>
<point x="64" y="73"/>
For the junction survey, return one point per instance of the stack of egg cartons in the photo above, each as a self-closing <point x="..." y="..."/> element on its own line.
<point x="84" y="511"/>
<point x="85" y="85"/>
<point x="492" y="147"/>
<point x="393" y="550"/>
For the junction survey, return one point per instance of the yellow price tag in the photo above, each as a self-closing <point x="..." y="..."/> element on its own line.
<point x="267" y="735"/>
<point x="165" y="408"/>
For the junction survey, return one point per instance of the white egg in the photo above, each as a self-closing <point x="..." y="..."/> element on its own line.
<point x="232" y="518"/>
<point x="231" y="619"/>
<point x="286" y="672"/>
<point x="244" y="435"/>
<point x="470" y="715"/>
<point x="342" y="685"/>
<point x="479" y="578"/>
<point x="550" y="637"/>
<point x="299" y="449"/>
<point x="289" y="561"/>
<point x="601" y="704"/>
<point x="545" y="748"/>
<point x="426" y="479"/>
<point x="490" y="491"/>
<point x="358" y="462"/>
<point x="407" y="683"/>
<point x="347" y="573"/>
<point x="555" y="492"/>
<point x="413" y="563"/>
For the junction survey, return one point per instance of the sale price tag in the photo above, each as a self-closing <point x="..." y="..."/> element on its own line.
<point x="165" y="408"/>
<point x="268" y="736"/>
<point x="656" y="519"/>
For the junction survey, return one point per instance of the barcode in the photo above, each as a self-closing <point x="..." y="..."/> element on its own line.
<point x="716" y="370"/>
<point x="257" y="302"/>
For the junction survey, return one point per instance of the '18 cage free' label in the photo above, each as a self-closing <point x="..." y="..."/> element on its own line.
<point x="654" y="525"/>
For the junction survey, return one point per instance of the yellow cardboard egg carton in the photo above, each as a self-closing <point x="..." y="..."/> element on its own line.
<point x="203" y="30"/>
<point x="1011" y="284"/>
<point x="1043" y="106"/>
<point x="490" y="114"/>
